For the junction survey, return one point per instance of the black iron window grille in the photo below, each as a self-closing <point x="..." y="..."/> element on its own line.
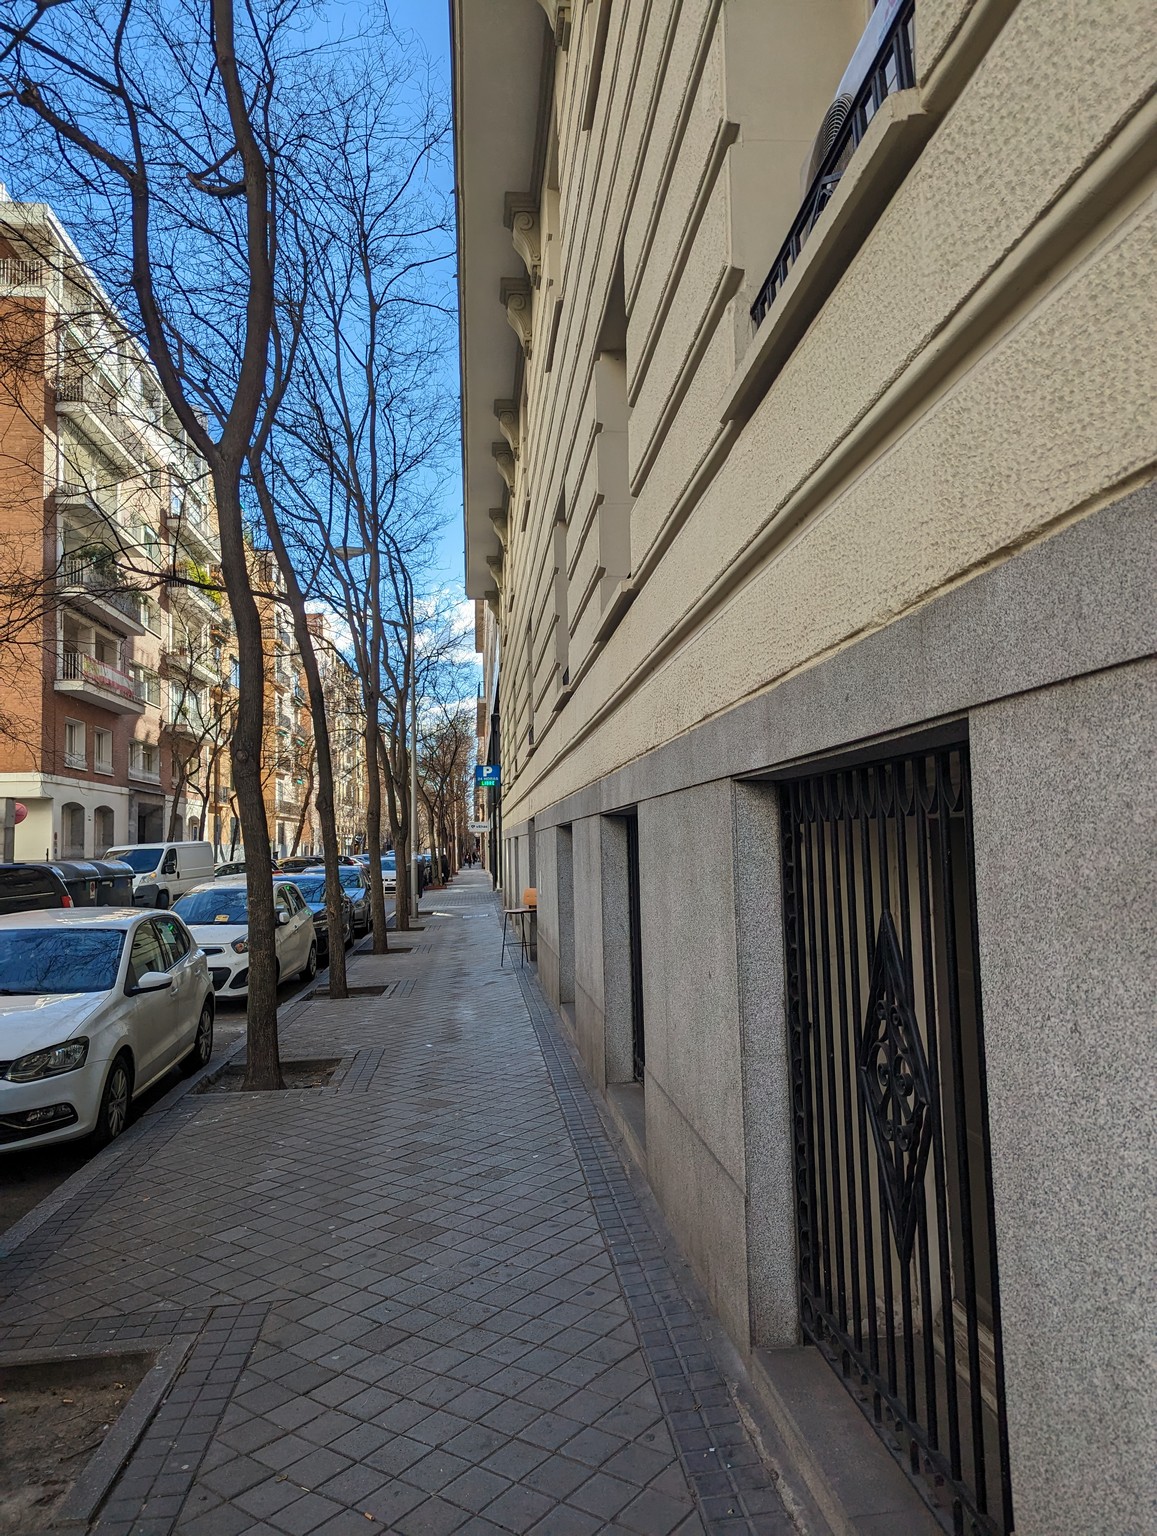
<point x="892" y="70"/>
<point x="634" y="907"/>
<point x="894" y="1204"/>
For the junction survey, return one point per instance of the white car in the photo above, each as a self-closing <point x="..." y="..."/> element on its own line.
<point x="218" y="918"/>
<point x="95" y="1005"/>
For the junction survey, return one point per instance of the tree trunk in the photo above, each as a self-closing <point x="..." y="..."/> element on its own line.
<point x="263" y="1059"/>
<point x="374" y="829"/>
<point x="323" y="749"/>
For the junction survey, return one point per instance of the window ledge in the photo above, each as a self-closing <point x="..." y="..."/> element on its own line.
<point x="894" y="139"/>
<point x="75" y="762"/>
<point x="105" y="768"/>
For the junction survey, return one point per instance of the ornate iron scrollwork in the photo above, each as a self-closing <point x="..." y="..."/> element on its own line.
<point x="893" y="1073"/>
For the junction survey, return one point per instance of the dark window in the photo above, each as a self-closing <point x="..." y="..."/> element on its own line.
<point x="634" y="908"/>
<point x="147" y="953"/>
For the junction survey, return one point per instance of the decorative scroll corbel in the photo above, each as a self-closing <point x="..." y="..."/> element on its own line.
<point x="526" y="233"/>
<point x="515" y="296"/>
<point x="504" y="459"/>
<point x="501" y="523"/>
<point x="507" y="413"/>
<point x="558" y="14"/>
<point x="496" y="564"/>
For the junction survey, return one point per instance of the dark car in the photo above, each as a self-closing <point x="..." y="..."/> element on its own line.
<point x="355" y="883"/>
<point x="312" y="888"/>
<point x="299" y="861"/>
<point x="36" y="887"/>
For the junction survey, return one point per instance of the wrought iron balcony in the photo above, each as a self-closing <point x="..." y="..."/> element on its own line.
<point x="893" y="69"/>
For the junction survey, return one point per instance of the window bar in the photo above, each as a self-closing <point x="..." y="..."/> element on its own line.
<point x="944" y="1257"/>
<point x="968" y="1257"/>
<point x="902" y="805"/>
<point x="838" y="786"/>
<point x="882" y="784"/>
<point x="859" y="812"/>
<point x="815" y="1103"/>
<point x="801" y="1075"/>
<point x="822" y="822"/>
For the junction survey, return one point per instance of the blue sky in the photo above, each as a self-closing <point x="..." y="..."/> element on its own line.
<point x="429" y="20"/>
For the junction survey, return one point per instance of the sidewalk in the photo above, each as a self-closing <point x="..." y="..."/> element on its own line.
<point x="423" y="1299"/>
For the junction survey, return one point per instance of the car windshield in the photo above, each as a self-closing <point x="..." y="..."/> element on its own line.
<point x="312" y="889"/>
<point x="228" y="904"/>
<point x="45" y="960"/>
<point x="351" y="879"/>
<point x="140" y="860"/>
<point x="389" y="862"/>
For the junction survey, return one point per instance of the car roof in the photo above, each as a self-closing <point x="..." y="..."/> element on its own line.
<point x="120" y="918"/>
<point x="222" y="883"/>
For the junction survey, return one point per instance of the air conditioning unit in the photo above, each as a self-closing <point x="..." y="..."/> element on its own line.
<point x="871" y="41"/>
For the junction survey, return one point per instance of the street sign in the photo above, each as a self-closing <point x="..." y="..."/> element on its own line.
<point x="487" y="776"/>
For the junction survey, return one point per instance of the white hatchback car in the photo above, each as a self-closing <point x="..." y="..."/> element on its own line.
<point x="95" y="1005"/>
<point x="218" y="917"/>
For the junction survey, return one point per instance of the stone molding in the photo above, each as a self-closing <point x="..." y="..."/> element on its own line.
<point x="525" y="232"/>
<point x="504" y="459"/>
<point x="515" y="295"/>
<point x="507" y="414"/>
<point x="558" y="14"/>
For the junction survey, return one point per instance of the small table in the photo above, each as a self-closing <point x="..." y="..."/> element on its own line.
<point x="526" y="916"/>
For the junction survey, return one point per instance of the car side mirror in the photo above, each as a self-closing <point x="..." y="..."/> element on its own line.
<point x="152" y="981"/>
<point x="282" y="918"/>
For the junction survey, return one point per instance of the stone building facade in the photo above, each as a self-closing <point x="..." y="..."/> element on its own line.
<point x="809" y="411"/>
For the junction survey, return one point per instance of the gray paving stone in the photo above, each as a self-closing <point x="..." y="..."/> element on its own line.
<point x="426" y="1293"/>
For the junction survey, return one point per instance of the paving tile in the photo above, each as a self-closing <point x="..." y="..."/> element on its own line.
<point x="426" y="1293"/>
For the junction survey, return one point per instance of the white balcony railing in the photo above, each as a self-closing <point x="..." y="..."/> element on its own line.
<point x="77" y="667"/>
<point x="21" y="272"/>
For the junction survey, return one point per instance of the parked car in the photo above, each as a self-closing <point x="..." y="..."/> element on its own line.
<point x="94" y="1008"/>
<point x="237" y="867"/>
<point x="218" y="917"/>
<point x="36" y="887"/>
<point x="311" y="887"/>
<point x="354" y="883"/>
<point x="389" y="871"/>
<point x="164" y="871"/>
<point x="297" y="862"/>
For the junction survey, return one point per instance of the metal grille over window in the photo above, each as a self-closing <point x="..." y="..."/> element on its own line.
<point x="894" y="1205"/>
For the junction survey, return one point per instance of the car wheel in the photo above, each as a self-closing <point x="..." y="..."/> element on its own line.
<point x="310" y="970"/>
<point x="162" y="901"/>
<point x="202" y="1047"/>
<point x="113" y="1114"/>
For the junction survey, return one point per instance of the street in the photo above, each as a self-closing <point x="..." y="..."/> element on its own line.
<point x="27" y="1177"/>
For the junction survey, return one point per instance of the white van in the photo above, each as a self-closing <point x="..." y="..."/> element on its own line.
<point x="164" y="871"/>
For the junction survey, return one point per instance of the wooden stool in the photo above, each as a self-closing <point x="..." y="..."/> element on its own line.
<point x="525" y="917"/>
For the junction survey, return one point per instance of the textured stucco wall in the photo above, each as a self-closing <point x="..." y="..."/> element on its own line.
<point x="694" y="1097"/>
<point x="1064" y="791"/>
<point x="1055" y="380"/>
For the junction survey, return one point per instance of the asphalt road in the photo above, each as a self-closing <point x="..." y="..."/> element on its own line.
<point x="26" y="1177"/>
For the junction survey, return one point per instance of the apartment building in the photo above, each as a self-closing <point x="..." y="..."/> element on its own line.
<point x="110" y="613"/>
<point x="808" y="412"/>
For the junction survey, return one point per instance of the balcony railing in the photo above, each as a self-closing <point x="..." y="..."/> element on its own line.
<point x="77" y="667"/>
<point x="103" y="581"/>
<point x="19" y="272"/>
<point x="893" y="69"/>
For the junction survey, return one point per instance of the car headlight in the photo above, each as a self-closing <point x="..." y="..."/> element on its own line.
<point x="144" y="879"/>
<point x="240" y="946"/>
<point x="49" y="1063"/>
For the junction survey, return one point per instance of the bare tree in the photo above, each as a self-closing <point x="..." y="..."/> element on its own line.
<point x="167" y="127"/>
<point x="367" y="419"/>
